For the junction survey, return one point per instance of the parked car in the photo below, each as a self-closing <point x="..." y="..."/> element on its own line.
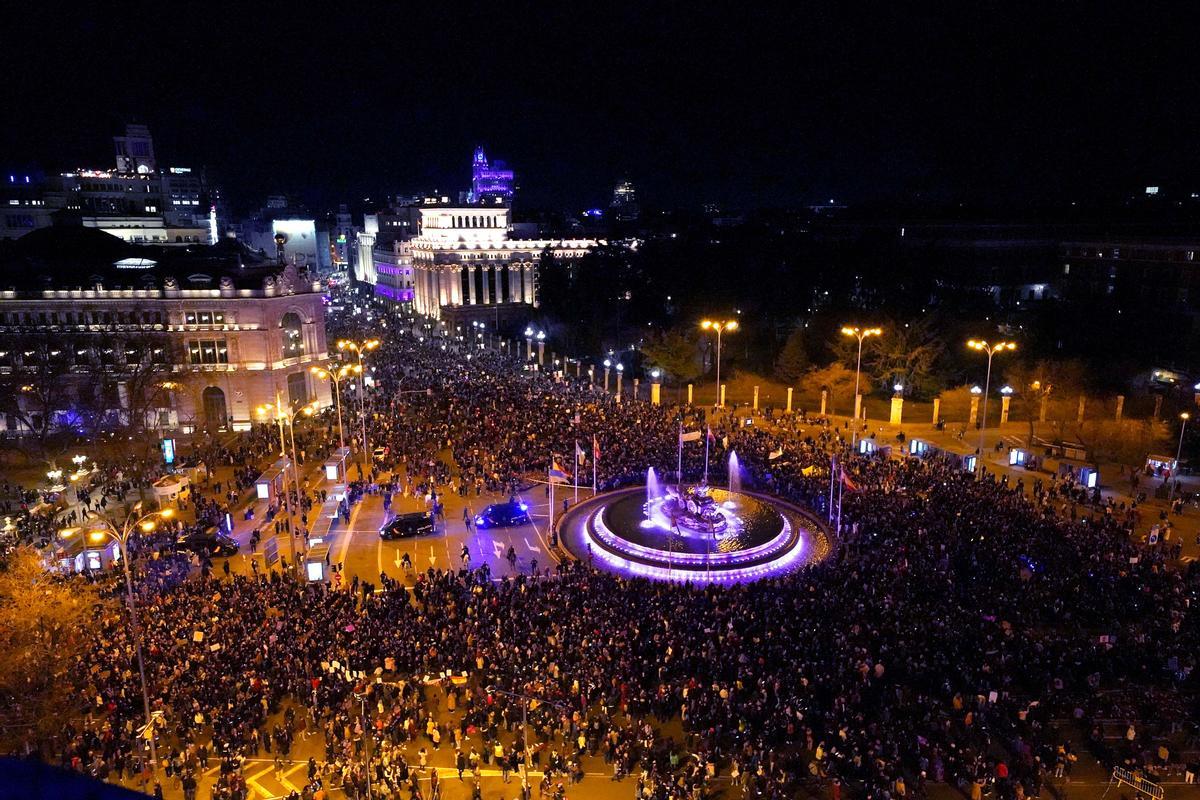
<point x="403" y="526"/>
<point x="503" y="515"/>
<point x="210" y="542"/>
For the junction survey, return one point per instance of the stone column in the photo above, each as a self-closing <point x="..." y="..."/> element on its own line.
<point x="897" y="409"/>
<point x="824" y="400"/>
<point x="1005" y="403"/>
<point x="722" y="403"/>
<point x="755" y="398"/>
<point x="471" y="284"/>
<point x="499" y="289"/>
<point x="689" y="394"/>
<point x="485" y="285"/>
<point x="789" y="400"/>
<point x="655" y="393"/>
<point x="937" y="407"/>
<point x="1120" y="406"/>
<point x="514" y="282"/>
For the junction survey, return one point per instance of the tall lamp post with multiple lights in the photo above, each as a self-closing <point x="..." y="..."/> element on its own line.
<point x="861" y="334"/>
<point x="98" y="528"/>
<point x="336" y="375"/>
<point x="991" y="350"/>
<point x="720" y="326"/>
<point x="283" y="415"/>
<point x="1184" y="417"/>
<point x="359" y="348"/>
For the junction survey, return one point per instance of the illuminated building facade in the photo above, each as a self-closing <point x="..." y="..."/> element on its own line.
<point x="491" y="184"/>
<point x="234" y="331"/>
<point x="463" y="256"/>
<point x="135" y="201"/>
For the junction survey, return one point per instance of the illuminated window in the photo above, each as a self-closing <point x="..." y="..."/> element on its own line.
<point x="292" y="329"/>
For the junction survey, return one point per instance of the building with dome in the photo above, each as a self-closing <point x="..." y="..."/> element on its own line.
<point x="188" y="337"/>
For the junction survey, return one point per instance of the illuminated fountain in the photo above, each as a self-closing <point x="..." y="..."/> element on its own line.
<point x="693" y="532"/>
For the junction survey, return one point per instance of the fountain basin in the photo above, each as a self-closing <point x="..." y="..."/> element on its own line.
<point x="633" y="533"/>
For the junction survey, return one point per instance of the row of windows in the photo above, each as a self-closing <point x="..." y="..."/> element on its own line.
<point x="81" y="318"/>
<point x="204" y="318"/>
<point x="68" y="353"/>
<point x="208" y="351"/>
<point x="1134" y="253"/>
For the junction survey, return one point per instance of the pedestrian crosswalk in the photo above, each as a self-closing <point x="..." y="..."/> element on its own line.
<point x="267" y="784"/>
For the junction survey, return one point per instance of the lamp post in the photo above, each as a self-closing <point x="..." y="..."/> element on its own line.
<point x="860" y="334"/>
<point x="336" y="375"/>
<point x="620" y="372"/>
<point x="528" y="343"/>
<point x="720" y="326"/>
<point x="358" y="348"/>
<point x="101" y="528"/>
<point x="655" y="386"/>
<point x="607" y="366"/>
<point x="525" y="701"/>
<point x="541" y="340"/>
<point x="991" y="350"/>
<point x="288" y="415"/>
<point x="1185" y="416"/>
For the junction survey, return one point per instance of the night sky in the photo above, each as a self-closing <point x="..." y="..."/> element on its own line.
<point x="974" y="102"/>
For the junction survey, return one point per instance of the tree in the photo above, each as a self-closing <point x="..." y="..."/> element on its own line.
<point x="906" y="354"/>
<point x="835" y="379"/>
<point x="792" y="361"/>
<point x="1041" y="382"/>
<point x="43" y="634"/>
<point x="676" y="352"/>
<point x="37" y="392"/>
<point x="1124" y="442"/>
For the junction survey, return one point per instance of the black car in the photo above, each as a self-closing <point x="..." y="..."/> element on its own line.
<point x="503" y="515"/>
<point x="210" y="542"/>
<point x="402" y="526"/>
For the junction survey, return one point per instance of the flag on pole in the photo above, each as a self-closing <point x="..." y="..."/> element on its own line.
<point x="580" y="456"/>
<point x="711" y="438"/>
<point x="690" y="436"/>
<point x="557" y="474"/>
<point x="595" y="448"/>
<point x="849" y="484"/>
<point x="774" y="454"/>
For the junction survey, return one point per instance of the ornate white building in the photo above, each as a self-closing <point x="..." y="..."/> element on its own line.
<point x="463" y="256"/>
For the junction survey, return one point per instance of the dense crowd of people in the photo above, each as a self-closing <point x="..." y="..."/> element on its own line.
<point x="959" y="632"/>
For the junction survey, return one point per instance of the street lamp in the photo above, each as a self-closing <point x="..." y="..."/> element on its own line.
<point x="860" y="334"/>
<point x="336" y="375"/>
<point x="283" y="414"/>
<point x="525" y="701"/>
<point x="991" y="350"/>
<point x="720" y="326"/>
<point x="101" y="528"/>
<point x="607" y="366"/>
<point x="620" y="372"/>
<point x="358" y="348"/>
<point x="1185" y="416"/>
<point x="541" y="340"/>
<point x="528" y="343"/>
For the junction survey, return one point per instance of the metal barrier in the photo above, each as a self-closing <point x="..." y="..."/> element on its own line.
<point x="1137" y="783"/>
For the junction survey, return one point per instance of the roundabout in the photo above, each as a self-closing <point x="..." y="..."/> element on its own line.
<point x="692" y="533"/>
